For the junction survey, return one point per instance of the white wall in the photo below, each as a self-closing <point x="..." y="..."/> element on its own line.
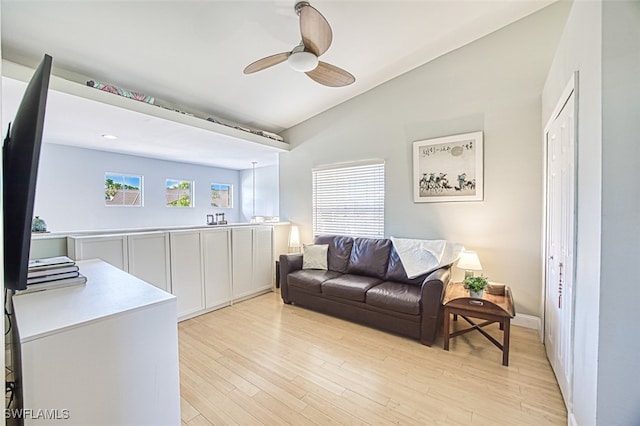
<point x="492" y="85"/>
<point x="267" y="195"/>
<point x="70" y="190"/>
<point x="602" y="41"/>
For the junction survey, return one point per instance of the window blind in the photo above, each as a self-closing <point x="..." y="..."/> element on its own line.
<point x="349" y="200"/>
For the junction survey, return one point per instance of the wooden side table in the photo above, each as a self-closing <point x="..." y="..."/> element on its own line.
<point x="492" y="308"/>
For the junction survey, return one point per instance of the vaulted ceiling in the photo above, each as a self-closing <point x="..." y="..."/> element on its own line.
<point x="190" y="54"/>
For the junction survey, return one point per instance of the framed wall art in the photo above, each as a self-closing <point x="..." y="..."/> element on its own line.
<point x="448" y="169"/>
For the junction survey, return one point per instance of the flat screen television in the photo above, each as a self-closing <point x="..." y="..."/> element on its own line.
<point x="21" y="154"/>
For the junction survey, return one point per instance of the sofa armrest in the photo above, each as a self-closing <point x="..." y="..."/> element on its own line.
<point x="431" y="296"/>
<point x="288" y="263"/>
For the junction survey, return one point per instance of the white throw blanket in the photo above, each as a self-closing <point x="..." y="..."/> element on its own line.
<point x="421" y="256"/>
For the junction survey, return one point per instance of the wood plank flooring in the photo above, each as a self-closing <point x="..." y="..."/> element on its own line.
<point x="263" y="362"/>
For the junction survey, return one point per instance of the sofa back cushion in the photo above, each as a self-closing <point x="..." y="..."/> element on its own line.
<point x="370" y="257"/>
<point x="339" y="251"/>
<point x="397" y="273"/>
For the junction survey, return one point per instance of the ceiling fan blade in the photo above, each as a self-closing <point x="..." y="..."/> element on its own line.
<point x="315" y="30"/>
<point x="330" y="75"/>
<point x="267" y="62"/>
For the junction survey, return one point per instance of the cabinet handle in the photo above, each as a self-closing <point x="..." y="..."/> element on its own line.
<point x="476" y="302"/>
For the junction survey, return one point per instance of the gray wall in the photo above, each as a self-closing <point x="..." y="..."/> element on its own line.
<point x="618" y="395"/>
<point x="70" y="190"/>
<point x="492" y="85"/>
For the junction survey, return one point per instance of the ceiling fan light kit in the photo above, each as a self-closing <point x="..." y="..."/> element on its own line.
<point x="316" y="39"/>
<point x="302" y="61"/>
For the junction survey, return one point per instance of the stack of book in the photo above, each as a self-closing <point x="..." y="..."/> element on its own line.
<point x="53" y="272"/>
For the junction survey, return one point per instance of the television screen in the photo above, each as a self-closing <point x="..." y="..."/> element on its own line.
<point x="21" y="154"/>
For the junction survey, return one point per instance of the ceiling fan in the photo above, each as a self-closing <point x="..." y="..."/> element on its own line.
<point x="316" y="39"/>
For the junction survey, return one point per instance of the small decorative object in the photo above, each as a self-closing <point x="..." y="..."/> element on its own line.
<point x="475" y="285"/>
<point x="496" y="289"/>
<point x="38" y="225"/>
<point x="105" y="87"/>
<point x="448" y="169"/>
<point x="220" y="219"/>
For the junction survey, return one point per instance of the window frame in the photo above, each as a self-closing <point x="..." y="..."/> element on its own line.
<point x="231" y="197"/>
<point x="124" y="176"/>
<point x="334" y="199"/>
<point x="192" y="192"/>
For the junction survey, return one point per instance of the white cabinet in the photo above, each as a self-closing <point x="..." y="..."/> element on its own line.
<point x="216" y="257"/>
<point x="149" y="258"/>
<point x="186" y="271"/>
<point x="144" y="254"/>
<point x="206" y="268"/>
<point x="263" y="263"/>
<point x="106" y="360"/>
<point x="252" y="260"/>
<point x="242" y="255"/>
<point x="110" y="248"/>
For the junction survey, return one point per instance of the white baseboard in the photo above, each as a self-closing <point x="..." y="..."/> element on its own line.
<point x="526" y="321"/>
<point x="571" y="420"/>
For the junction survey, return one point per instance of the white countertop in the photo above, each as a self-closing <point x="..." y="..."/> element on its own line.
<point x="47" y="235"/>
<point x="108" y="291"/>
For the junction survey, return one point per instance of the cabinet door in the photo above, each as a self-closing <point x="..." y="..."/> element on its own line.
<point x="149" y="258"/>
<point x="216" y="258"/>
<point x="262" y="258"/>
<point x="242" y="255"/>
<point x="186" y="271"/>
<point x="110" y="248"/>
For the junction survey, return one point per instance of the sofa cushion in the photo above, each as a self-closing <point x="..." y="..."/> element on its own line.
<point x="339" y="251"/>
<point x="315" y="256"/>
<point x="397" y="273"/>
<point x="353" y="287"/>
<point x="395" y="297"/>
<point x="370" y="256"/>
<point x="310" y="279"/>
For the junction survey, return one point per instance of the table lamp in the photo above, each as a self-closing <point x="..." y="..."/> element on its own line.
<point x="470" y="262"/>
<point x="294" y="239"/>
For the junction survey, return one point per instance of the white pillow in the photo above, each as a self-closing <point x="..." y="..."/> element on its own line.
<point x="315" y="256"/>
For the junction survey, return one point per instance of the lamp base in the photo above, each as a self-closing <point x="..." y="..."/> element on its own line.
<point x="468" y="274"/>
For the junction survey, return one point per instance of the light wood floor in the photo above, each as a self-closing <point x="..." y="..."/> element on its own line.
<point x="263" y="362"/>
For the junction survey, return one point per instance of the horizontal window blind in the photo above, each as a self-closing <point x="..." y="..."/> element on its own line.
<point x="349" y="200"/>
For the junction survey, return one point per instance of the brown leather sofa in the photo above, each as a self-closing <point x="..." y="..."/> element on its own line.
<point x="365" y="282"/>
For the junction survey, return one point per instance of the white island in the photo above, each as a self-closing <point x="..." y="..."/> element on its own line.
<point x="105" y="353"/>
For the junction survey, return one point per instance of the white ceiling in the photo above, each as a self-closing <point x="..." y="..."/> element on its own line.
<point x="191" y="54"/>
<point x="81" y="122"/>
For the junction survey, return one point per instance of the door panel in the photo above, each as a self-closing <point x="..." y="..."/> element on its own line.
<point x="560" y="243"/>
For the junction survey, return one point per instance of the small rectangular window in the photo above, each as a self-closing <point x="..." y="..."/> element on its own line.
<point x="179" y="193"/>
<point x="122" y="190"/>
<point x="348" y="199"/>
<point x="221" y="195"/>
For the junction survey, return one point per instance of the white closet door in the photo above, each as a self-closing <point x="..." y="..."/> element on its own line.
<point x="560" y="244"/>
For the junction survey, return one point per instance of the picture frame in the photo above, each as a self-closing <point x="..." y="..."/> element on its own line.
<point x="448" y="169"/>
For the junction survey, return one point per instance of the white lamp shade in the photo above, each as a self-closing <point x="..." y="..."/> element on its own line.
<point x="469" y="261"/>
<point x="294" y="237"/>
<point x="303" y="61"/>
